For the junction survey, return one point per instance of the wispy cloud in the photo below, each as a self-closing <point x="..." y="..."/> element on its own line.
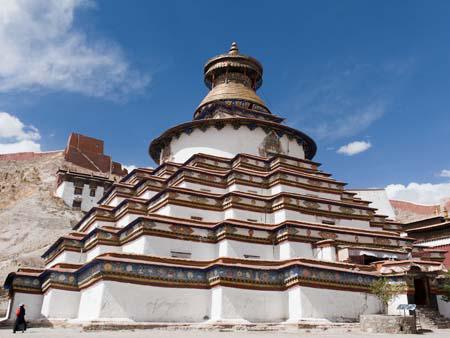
<point x="344" y="100"/>
<point x="15" y="136"/>
<point x="422" y="193"/>
<point x="354" y="148"/>
<point x="42" y="48"/>
<point x="350" y="124"/>
<point x="444" y="173"/>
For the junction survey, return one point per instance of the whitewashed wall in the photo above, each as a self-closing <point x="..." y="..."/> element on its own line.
<point x="334" y="305"/>
<point x="230" y="143"/>
<point x="394" y="303"/>
<point x="232" y="304"/>
<point x="327" y="253"/>
<point x="108" y="300"/>
<point x="33" y="305"/>
<point x="91" y="300"/>
<point x="378" y="199"/>
<point x="201" y="251"/>
<point x="70" y="257"/>
<point x="66" y="191"/>
<point x="444" y="307"/>
<point x="276" y="217"/>
<point x="276" y="189"/>
<point x="114" y="300"/>
<point x="61" y="304"/>
<point x="288" y="250"/>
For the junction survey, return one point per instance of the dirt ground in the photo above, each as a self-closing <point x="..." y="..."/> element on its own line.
<point x="78" y="333"/>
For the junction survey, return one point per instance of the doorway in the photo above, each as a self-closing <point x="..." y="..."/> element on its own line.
<point x="421" y="293"/>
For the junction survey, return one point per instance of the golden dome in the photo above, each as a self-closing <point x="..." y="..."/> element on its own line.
<point x="233" y="77"/>
<point x="230" y="91"/>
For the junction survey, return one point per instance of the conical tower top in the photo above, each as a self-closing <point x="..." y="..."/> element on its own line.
<point x="233" y="78"/>
<point x="234" y="49"/>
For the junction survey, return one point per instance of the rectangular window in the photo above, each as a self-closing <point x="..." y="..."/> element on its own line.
<point x="252" y="220"/>
<point x="328" y="222"/>
<point x="252" y="257"/>
<point x="92" y="192"/>
<point x="78" y="191"/>
<point x="197" y="218"/>
<point x="180" y="254"/>
<point x="76" y="204"/>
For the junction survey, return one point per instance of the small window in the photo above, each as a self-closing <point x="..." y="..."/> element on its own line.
<point x="76" y="204"/>
<point x="328" y="222"/>
<point x="78" y="191"/>
<point x="252" y="257"/>
<point x="197" y="218"/>
<point x="205" y="190"/>
<point x="180" y="254"/>
<point x="92" y="192"/>
<point x="252" y="220"/>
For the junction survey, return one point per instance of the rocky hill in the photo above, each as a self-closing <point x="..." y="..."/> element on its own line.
<point x="31" y="218"/>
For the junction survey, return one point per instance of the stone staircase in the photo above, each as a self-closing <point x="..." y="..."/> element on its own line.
<point x="429" y="318"/>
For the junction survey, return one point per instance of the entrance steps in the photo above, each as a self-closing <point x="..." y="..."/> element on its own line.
<point x="429" y="318"/>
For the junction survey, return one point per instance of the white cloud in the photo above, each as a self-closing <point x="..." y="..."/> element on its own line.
<point x="445" y="173"/>
<point x="12" y="127"/>
<point x="130" y="167"/>
<point x="354" y="148"/>
<point x="16" y="136"/>
<point x="351" y="123"/>
<point x="344" y="97"/>
<point x="41" y="48"/>
<point x="422" y="193"/>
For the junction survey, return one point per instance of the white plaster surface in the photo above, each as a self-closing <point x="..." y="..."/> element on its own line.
<point x="288" y="250"/>
<point x="378" y="199"/>
<point x="230" y="143"/>
<point x="60" y="304"/>
<point x="66" y="191"/>
<point x="327" y="253"/>
<point x="154" y="304"/>
<point x="248" y="305"/>
<point x="444" y="307"/>
<point x="68" y="257"/>
<point x="33" y="305"/>
<point x="91" y="302"/>
<point x="335" y="305"/>
<point x="394" y="303"/>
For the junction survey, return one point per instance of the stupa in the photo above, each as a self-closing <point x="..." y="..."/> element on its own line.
<point x="236" y="224"/>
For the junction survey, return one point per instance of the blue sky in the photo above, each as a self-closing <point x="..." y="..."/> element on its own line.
<point x="373" y="72"/>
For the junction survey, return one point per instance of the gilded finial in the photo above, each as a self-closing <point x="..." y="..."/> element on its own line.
<point x="437" y="211"/>
<point x="234" y="48"/>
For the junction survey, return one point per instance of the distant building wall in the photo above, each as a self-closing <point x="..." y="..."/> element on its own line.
<point x="88" y="152"/>
<point x="87" y="199"/>
<point x="378" y="199"/>
<point x="26" y="156"/>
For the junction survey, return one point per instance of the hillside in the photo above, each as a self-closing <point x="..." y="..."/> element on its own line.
<point x="31" y="218"/>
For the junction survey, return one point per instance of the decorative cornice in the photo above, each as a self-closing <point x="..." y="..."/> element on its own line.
<point x="158" y="144"/>
<point x="259" y="275"/>
<point x="162" y="226"/>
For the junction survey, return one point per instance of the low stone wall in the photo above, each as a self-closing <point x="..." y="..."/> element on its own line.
<point x="388" y="324"/>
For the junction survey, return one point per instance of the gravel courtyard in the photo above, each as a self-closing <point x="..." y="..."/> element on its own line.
<point x="76" y="333"/>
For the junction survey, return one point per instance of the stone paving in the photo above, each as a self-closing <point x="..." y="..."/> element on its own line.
<point x="78" y="333"/>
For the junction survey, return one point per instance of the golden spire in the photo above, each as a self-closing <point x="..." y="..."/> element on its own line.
<point x="437" y="210"/>
<point x="234" y="49"/>
<point x="233" y="77"/>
